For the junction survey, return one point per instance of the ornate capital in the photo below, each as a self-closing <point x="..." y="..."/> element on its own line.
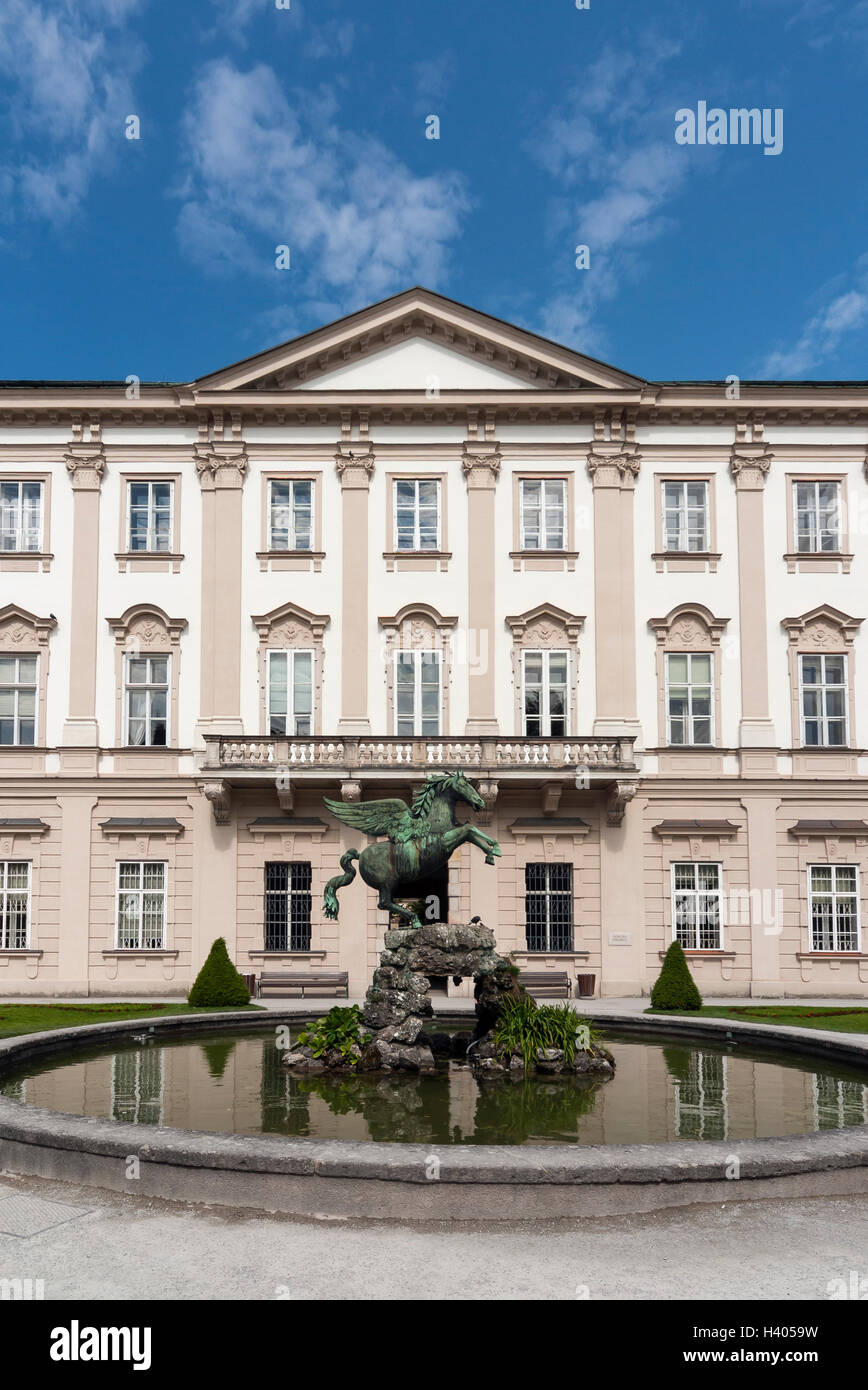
<point x="488" y="791"/>
<point x="219" y="469"/>
<point x="620" y="794"/>
<point x="614" y="470"/>
<point x="85" y="470"/>
<point x="481" y="467"/>
<point x="220" y="796"/>
<point x="750" y="468"/>
<point x="354" y="470"/>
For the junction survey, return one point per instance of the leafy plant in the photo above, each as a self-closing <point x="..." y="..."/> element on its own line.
<point x="339" y="1030"/>
<point x="525" y="1025"/>
<point x="675" y="987"/>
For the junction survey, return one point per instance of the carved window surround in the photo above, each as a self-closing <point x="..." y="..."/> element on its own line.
<point x="418" y="627"/>
<point x="149" y="561"/>
<point x="821" y="561"/>
<point x="546" y="628"/>
<point x="282" y="560"/>
<point x="24" y="561"/>
<point x="287" y="628"/>
<point x="437" y="560"/>
<point x="144" y="629"/>
<point x="823" y="629"/>
<point x="685" y="561"/>
<point x="688" y="628"/>
<point x="24" y="634"/>
<point x="548" y="560"/>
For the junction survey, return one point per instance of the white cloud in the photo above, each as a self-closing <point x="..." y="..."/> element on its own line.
<point x="610" y="146"/>
<point x="842" y="308"/>
<point x="67" y="70"/>
<point x="262" y="172"/>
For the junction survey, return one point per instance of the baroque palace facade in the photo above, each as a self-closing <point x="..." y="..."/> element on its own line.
<point x="414" y="540"/>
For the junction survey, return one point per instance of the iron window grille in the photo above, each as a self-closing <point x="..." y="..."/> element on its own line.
<point x="287" y="906"/>
<point x="697" y="902"/>
<point x="548" y="907"/>
<point x="15" y="879"/>
<point x="833" y="892"/>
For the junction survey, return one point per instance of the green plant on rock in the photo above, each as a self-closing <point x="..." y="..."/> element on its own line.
<point x="525" y="1026"/>
<point x="218" y="983"/>
<point x="675" y="987"/>
<point x="340" y="1030"/>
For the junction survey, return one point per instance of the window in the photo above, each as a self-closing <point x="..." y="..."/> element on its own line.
<point x="290" y="693"/>
<point x="417" y="514"/>
<point x="548" y="907"/>
<point x="147" y="696"/>
<point x="543" y="514"/>
<point x="545" y="697"/>
<point x="141" y="905"/>
<point x="14" y="904"/>
<point x="287" y="907"/>
<point x="150" y="517"/>
<point x="818" y="516"/>
<point x="418" y="697"/>
<point x="823" y="692"/>
<point x="685" y="516"/>
<point x="18" y="700"/>
<point x="21" y="516"/>
<point x="688" y="698"/>
<point x="696" y="906"/>
<point x="833" y="895"/>
<point x="290" y="513"/>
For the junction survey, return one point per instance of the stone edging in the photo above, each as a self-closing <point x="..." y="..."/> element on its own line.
<point x="413" y="1181"/>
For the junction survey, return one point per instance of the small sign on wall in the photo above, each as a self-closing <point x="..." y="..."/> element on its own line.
<point x="620" y="938"/>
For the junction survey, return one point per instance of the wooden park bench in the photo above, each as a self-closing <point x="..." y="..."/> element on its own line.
<point x="546" y="984"/>
<point x="322" y="982"/>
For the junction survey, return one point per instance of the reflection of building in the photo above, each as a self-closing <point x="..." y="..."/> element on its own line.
<point x="416" y="539"/>
<point x="701" y="1098"/>
<point x="839" y="1103"/>
<point x="137" y="1084"/>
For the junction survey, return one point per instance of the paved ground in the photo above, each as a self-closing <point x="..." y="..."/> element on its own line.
<point x="123" y="1247"/>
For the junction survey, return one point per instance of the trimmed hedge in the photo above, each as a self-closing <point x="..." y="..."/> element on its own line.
<point x="218" y="983"/>
<point x="675" y="987"/>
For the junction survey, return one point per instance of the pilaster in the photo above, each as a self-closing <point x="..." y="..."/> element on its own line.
<point x="221" y="468"/>
<point x="481" y="468"/>
<point x="749" y="468"/>
<point x="85" y="464"/>
<point x="613" y="474"/>
<point x="354" y="471"/>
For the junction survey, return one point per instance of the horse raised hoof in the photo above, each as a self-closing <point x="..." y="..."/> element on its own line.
<point x="489" y="858"/>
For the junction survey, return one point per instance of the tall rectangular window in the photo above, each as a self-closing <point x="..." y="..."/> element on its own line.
<point x="290" y="694"/>
<point x="149" y="527"/>
<point x="418" y="696"/>
<point x="417" y="513"/>
<point x="287" y="906"/>
<point x="833" y="893"/>
<point x="548" y="907"/>
<point x="697" y="901"/>
<point x="689" y="693"/>
<point x="146" y="696"/>
<point x="21" y="516"/>
<point x="823" y="698"/>
<point x="818" y="516"/>
<point x="141" y="905"/>
<point x="18" y="685"/>
<point x="290" y="514"/>
<point x="685" y="516"/>
<point x="545" y="695"/>
<point x="543" y="513"/>
<point x="14" y="904"/>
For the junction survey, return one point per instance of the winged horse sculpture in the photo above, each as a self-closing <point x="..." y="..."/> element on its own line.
<point x="420" y="839"/>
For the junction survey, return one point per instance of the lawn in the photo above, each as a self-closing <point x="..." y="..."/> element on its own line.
<point x="852" y="1020"/>
<point x="39" y="1018"/>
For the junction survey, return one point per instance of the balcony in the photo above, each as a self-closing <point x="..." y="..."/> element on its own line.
<point x="599" y="758"/>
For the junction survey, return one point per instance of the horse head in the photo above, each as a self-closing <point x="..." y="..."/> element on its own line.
<point x="465" y="791"/>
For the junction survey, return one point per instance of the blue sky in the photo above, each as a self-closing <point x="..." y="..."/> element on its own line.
<point x="306" y="127"/>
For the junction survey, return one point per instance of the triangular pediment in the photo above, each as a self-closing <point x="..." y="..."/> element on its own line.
<point x="418" y="341"/>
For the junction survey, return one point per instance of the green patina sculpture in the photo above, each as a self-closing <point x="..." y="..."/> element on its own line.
<point x="420" y="839"/>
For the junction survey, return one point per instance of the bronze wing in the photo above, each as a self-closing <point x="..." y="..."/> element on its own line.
<point x="391" y="816"/>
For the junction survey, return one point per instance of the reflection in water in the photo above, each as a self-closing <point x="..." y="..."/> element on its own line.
<point x="227" y="1082"/>
<point x="137" y="1086"/>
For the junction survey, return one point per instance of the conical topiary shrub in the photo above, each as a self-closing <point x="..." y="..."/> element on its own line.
<point x="218" y="983"/>
<point x="675" y="987"/>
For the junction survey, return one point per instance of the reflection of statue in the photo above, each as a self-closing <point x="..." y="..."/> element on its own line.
<point x="421" y="838"/>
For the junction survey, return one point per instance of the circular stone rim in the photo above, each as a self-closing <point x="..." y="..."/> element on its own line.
<point x="38" y="1137"/>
